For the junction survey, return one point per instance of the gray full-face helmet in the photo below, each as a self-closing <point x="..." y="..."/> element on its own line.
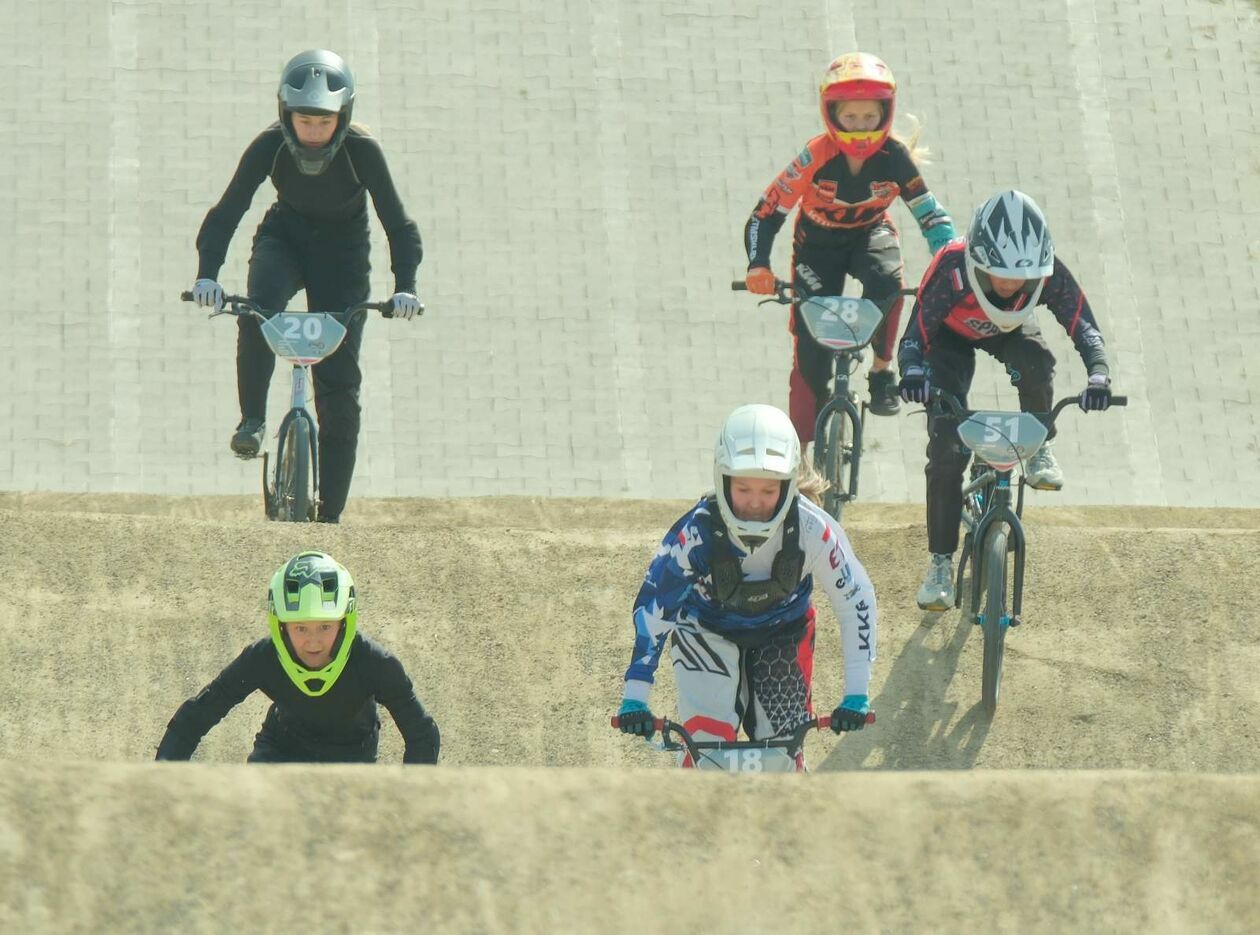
<point x="315" y="82"/>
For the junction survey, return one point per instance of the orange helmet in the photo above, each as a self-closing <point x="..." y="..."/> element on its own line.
<point x="858" y="76"/>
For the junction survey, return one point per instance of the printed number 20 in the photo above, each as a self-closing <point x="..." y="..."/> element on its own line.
<point x="310" y="326"/>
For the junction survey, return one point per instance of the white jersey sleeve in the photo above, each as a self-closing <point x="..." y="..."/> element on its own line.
<point x="836" y="571"/>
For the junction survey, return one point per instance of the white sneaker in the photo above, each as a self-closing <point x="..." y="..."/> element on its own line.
<point x="1043" y="471"/>
<point x="937" y="591"/>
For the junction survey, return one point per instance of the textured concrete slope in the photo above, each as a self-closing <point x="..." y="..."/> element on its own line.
<point x="582" y="173"/>
<point x="360" y="849"/>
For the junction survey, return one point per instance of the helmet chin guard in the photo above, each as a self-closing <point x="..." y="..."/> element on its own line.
<point x="1008" y="238"/>
<point x="755" y="441"/>
<point x="315" y="82"/>
<point x="312" y="587"/>
<point x="858" y="76"/>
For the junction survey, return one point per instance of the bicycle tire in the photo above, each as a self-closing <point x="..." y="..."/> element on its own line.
<point x="833" y="463"/>
<point x="293" y="474"/>
<point x="995" y="619"/>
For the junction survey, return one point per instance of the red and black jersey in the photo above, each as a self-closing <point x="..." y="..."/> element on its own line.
<point x="946" y="300"/>
<point x="832" y="200"/>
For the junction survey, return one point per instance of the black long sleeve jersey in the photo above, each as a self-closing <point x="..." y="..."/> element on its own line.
<point x="339" y="721"/>
<point x="337" y="196"/>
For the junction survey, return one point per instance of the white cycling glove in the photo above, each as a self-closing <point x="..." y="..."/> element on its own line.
<point x="406" y="305"/>
<point x="208" y="293"/>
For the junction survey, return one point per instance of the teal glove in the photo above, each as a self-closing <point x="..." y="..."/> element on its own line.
<point x="938" y="235"/>
<point x="850" y="714"/>
<point x="635" y="718"/>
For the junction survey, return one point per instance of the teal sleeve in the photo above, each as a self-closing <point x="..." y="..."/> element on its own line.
<point x="935" y="223"/>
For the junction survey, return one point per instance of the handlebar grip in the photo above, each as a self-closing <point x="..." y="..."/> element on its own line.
<point x="1119" y="400"/>
<point x="185" y="296"/>
<point x="657" y="722"/>
<point x="738" y="285"/>
<point x="824" y="722"/>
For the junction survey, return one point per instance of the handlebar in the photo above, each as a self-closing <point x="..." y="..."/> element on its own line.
<point x="784" y="294"/>
<point x="791" y="742"/>
<point x="950" y="401"/>
<point x="240" y="305"/>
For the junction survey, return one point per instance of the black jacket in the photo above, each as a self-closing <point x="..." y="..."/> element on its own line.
<point x="334" y="726"/>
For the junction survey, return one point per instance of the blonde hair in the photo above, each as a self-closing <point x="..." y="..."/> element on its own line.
<point x="918" y="154"/>
<point x="810" y="483"/>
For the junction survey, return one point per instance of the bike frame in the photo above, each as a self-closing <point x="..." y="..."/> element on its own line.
<point x="997" y="511"/>
<point x="842" y="402"/>
<point x="299" y="409"/>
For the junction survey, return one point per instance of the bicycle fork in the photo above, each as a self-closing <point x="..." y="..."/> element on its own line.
<point x="999" y="511"/>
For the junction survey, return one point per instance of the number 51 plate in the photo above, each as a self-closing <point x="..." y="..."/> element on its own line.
<point x="1003" y="439"/>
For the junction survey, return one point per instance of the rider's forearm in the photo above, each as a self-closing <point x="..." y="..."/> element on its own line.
<point x="759" y="234"/>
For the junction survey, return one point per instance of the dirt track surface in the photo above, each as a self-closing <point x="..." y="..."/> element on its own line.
<point x="1134" y="680"/>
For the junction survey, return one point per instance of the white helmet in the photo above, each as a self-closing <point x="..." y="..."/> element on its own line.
<point x="756" y="441"/>
<point x="1008" y="237"/>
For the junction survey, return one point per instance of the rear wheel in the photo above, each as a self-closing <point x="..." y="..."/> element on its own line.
<point x="995" y="618"/>
<point x="294" y="497"/>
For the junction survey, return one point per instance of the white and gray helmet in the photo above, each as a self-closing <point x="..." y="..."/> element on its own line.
<point x="1008" y="238"/>
<point x="755" y="441"/>
<point x="315" y="82"/>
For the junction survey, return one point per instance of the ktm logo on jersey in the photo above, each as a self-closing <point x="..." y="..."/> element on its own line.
<point x="822" y="207"/>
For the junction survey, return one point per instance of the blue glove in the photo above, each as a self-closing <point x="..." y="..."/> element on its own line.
<point x="939" y="235"/>
<point x="914" y="385"/>
<point x="1097" y="395"/>
<point x="850" y="714"/>
<point x="636" y="719"/>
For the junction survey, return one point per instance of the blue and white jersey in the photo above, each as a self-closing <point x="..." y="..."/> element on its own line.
<point x="679" y="586"/>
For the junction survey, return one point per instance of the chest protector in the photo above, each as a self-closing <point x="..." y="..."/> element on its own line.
<point x="749" y="598"/>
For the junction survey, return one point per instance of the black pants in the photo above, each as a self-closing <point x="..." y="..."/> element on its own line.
<point x="331" y="263"/>
<point x="873" y="258"/>
<point x="951" y="364"/>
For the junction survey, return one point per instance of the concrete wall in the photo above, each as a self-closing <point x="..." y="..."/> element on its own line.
<point x="581" y="173"/>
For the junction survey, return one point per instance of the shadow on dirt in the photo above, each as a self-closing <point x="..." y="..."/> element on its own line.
<point x="918" y="727"/>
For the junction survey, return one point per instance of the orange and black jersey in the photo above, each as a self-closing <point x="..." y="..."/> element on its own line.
<point x="946" y="300"/>
<point x="336" y="198"/>
<point x="833" y="201"/>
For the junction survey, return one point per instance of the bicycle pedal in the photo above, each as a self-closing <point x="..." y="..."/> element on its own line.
<point x="1014" y="621"/>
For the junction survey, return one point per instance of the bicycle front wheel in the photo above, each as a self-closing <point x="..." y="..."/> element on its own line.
<point x="833" y="463"/>
<point x="294" y="498"/>
<point x="995" y="617"/>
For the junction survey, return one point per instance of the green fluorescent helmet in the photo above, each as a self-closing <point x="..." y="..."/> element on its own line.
<point x="312" y="586"/>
